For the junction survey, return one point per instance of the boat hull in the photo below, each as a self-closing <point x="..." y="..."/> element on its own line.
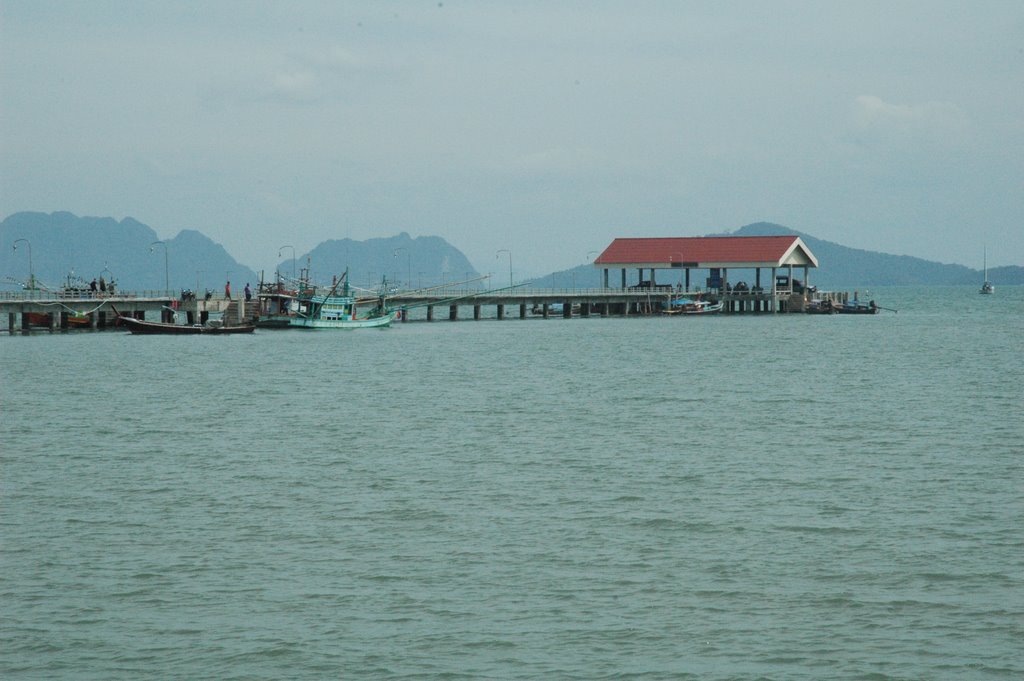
<point x="857" y="309"/>
<point x="367" y="323"/>
<point x="274" y="322"/>
<point x="140" y="327"/>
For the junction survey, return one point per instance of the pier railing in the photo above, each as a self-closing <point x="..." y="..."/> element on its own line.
<point x="15" y="296"/>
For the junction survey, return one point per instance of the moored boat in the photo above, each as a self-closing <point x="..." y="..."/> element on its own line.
<point x="142" y="327"/>
<point x="857" y="307"/>
<point x="276" y="305"/>
<point x="690" y="306"/>
<point x="337" y="310"/>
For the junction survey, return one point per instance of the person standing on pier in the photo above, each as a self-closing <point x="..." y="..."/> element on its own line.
<point x="248" y="292"/>
<point x="227" y="290"/>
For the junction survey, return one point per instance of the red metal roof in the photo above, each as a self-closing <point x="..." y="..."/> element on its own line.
<point x="764" y="251"/>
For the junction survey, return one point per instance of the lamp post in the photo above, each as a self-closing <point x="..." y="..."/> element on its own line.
<point x="498" y="254"/>
<point x="31" y="272"/>
<point x="408" y="263"/>
<point x="600" y="281"/>
<point x="293" y="257"/>
<point x="167" y="279"/>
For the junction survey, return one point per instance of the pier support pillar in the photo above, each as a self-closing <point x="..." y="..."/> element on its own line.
<point x="453" y="313"/>
<point x="522" y="310"/>
<point x="567" y="309"/>
<point x="11" y="319"/>
<point x="476" y="313"/>
<point x="501" y="311"/>
<point x="430" y="313"/>
<point x="25" y="325"/>
<point x="54" y="320"/>
<point x="545" y="310"/>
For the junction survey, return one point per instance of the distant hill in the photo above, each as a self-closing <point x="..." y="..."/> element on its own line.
<point x="839" y="267"/>
<point x="427" y="260"/>
<point x="842" y="266"/>
<point x="88" y="247"/>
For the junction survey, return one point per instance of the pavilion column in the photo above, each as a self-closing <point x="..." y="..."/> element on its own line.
<point x="606" y="277"/>
<point x="775" y="300"/>
<point x="623" y="277"/>
<point x="687" y="279"/>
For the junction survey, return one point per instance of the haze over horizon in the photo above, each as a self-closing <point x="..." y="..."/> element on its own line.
<point x="544" y="129"/>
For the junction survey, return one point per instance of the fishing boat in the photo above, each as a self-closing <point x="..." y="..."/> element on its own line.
<point x="43" y="318"/>
<point x="987" y="287"/>
<point x="338" y="310"/>
<point x="857" y="307"/>
<point x="820" y="307"/>
<point x="139" y="326"/>
<point x="276" y="305"/>
<point x="689" y="306"/>
<point x="142" y="327"/>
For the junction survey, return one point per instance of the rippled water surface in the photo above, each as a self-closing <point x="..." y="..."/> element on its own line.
<point x="792" y="497"/>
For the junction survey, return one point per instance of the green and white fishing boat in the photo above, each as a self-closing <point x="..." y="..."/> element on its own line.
<point x="337" y="309"/>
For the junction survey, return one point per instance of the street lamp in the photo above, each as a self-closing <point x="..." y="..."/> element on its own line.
<point x="498" y="254"/>
<point x="408" y="263"/>
<point x="167" y="279"/>
<point x="293" y="256"/>
<point x="31" y="272"/>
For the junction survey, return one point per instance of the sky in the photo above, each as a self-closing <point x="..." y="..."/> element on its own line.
<point x="545" y="129"/>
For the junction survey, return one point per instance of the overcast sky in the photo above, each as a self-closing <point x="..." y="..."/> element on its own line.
<point x="547" y="128"/>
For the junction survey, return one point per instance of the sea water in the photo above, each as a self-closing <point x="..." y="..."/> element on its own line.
<point x="730" y="497"/>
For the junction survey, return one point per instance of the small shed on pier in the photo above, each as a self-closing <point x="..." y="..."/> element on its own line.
<point x="716" y="254"/>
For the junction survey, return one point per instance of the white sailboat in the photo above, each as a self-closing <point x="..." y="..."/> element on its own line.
<point x="987" y="287"/>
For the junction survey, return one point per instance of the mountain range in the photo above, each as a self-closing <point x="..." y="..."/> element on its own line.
<point x="58" y="245"/>
<point x="53" y="246"/>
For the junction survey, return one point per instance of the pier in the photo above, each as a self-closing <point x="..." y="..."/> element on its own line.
<point x="60" y="310"/>
<point x="453" y="304"/>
